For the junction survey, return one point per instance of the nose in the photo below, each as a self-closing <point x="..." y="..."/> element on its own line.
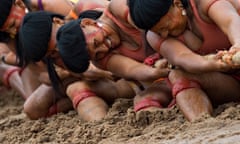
<point x="103" y="48"/>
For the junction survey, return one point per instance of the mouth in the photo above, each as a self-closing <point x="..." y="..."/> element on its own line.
<point x="108" y="42"/>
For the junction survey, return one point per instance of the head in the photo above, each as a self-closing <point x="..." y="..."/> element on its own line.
<point x="37" y="36"/>
<point x="12" y="13"/>
<point x="72" y="47"/>
<point x="164" y="17"/>
<point x="37" y="42"/>
<point x="84" y="39"/>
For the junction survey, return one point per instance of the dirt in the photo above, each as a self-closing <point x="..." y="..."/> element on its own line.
<point x="121" y="126"/>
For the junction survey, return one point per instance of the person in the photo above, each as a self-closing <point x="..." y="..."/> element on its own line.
<point x="57" y="6"/>
<point x="89" y="93"/>
<point x="28" y="79"/>
<point x="184" y="32"/>
<point x="114" y="46"/>
<point x="182" y="21"/>
<point x="82" y="5"/>
<point x="12" y="12"/>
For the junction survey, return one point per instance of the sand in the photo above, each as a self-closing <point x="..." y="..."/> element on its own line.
<point x="121" y="126"/>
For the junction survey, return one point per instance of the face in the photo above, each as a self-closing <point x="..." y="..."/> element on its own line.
<point x="52" y="46"/>
<point x="14" y="19"/>
<point x="171" y="24"/>
<point x="100" y="38"/>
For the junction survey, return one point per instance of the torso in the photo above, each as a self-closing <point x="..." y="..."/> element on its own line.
<point x="212" y="38"/>
<point x="133" y="42"/>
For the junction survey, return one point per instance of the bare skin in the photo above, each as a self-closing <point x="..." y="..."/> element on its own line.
<point x="213" y="91"/>
<point x="28" y="84"/>
<point x="95" y="108"/>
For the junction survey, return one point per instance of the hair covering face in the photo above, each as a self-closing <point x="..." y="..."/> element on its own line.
<point x="72" y="47"/>
<point x="5" y="8"/>
<point x="34" y="35"/>
<point x="146" y="13"/>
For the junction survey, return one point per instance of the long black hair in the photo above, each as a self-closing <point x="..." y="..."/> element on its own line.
<point x="34" y="36"/>
<point x="32" y="46"/>
<point x="5" y="8"/>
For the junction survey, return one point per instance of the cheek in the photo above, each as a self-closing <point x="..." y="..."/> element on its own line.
<point x="18" y="23"/>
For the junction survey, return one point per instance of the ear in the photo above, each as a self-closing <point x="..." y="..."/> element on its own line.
<point x="178" y="3"/>
<point x="20" y="3"/>
<point x="58" y="20"/>
<point x="87" y="21"/>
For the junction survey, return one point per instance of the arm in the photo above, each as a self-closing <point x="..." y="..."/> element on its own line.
<point x="183" y="56"/>
<point x="120" y="9"/>
<point x="83" y="5"/>
<point x="228" y="20"/>
<point x="57" y="6"/>
<point x="179" y="55"/>
<point x="130" y="69"/>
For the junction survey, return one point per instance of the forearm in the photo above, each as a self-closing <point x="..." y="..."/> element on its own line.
<point x="181" y="56"/>
<point x="130" y="69"/>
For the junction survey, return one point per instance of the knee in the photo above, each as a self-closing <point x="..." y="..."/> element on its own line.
<point x="32" y="111"/>
<point x="174" y="75"/>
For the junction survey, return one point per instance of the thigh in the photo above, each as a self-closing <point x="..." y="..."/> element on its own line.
<point x="221" y="87"/>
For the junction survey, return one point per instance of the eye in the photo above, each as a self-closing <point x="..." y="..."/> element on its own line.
<point x="11" y="25"/>
<point x="95" y="42"/>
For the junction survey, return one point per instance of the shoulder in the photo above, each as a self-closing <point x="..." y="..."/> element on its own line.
<point x="203" y="7"/>
<point x="119" y="8"/>
<point x="154" y="40"/>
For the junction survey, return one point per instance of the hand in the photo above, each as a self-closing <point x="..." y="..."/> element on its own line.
<point x="220" y="65"/>
<point x="62" y="73"/>
<point x="231" y="57"/>
<point x="161" y="72"/>
<point x="44" y="78"/>
<point x="161" y="63"/>
<point x="10" y="58"/>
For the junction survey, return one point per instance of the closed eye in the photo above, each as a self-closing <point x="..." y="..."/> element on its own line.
<point x="12" y="25"/>
<point x="95" y="42"/>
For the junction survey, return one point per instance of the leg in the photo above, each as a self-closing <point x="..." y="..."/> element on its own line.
<point x="221" y="88"/>
<point x="11" y="78"/>
<point x="30" y="79"/>
<point x="110" y="90"/>
<point x="190" y="98"/>
<point x="41" y="103"/>
<point x="156" y="96"/>
<point x="88" y="105"/>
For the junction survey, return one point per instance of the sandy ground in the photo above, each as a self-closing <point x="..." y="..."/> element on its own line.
<point x="121" y="126"/>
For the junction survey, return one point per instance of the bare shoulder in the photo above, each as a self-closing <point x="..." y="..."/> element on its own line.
<point x="204" y="5"/>
<point x="118" y="8"/>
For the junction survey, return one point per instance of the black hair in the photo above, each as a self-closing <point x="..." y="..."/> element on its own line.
<point x="5" y="8"/>
<point x="28" y="4"/>
<point x="185" y="3"/>
<point x="34" y="36"/>
<point x="146" y="13"/>
<point x="32" y="45"/>
<point x="4" y="37"/>
<point x="93" y="14"/>
<point x="72" y="44"/>
<point x="72" y="47"/>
